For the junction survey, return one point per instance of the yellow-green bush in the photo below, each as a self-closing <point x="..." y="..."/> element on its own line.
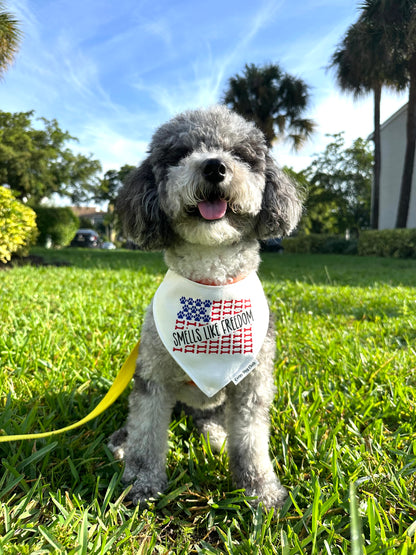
<point x="17" y="225"/>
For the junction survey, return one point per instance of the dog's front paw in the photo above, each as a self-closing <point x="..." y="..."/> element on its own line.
<point x="147" y="485"/>
<point x="269" y="492"/>
<point x="148" y="478"/>
<point x="273" y="495"/>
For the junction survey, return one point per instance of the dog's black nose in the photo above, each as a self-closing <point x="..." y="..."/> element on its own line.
<point x="214" y="170"/>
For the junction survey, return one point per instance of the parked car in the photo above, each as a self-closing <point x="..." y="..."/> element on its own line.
<point x="108" y="245"/>
<point x="86" y="238"/>
<point x="273" y="245"/>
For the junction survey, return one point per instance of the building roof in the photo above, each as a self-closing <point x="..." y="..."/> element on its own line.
<point x="87" y="211"/>
<point x="394" y="116"/>
<point x="388" y="121"/>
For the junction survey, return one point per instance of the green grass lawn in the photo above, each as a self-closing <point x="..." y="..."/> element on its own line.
<point x="344" y="416"/>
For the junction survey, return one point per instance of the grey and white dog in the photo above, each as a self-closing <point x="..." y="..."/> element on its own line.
<point x="214" y="157"/>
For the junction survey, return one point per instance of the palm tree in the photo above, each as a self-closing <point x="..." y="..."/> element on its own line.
<point x="398" y="19"/>
<point x="274" y="100"/>
<point x="10" y="36"/>
<point x="363" y="63"/>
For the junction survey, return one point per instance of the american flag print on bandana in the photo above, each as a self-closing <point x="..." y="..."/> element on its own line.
<point x="214" y="333"/>
<point x="220" y="327"/>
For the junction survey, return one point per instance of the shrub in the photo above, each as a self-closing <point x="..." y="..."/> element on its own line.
<point x="340" y="245"/>
<point x="57" y="224"/>
<point x="315" y="243"/>
<point x="17" y="226"/>
<point x="304" y="244"/>
<point x="396" y="243"/>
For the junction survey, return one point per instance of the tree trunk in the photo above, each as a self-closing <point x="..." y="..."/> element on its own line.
<point x="406" y="184"/>
<point x="375" y="197"/>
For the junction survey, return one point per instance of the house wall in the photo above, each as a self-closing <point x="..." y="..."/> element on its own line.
<point x="393" y="146"/>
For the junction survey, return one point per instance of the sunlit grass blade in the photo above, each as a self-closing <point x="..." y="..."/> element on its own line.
<point x="357" y="547"/>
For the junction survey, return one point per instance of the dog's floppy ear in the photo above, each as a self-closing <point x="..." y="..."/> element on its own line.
<point x="281" y="206"/>
<point x="140" y="212"/>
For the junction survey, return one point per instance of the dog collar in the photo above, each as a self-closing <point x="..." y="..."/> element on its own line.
<point x="214" y="332"/>
<point x="212" y="283"/>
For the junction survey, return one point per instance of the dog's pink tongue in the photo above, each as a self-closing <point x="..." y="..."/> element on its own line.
<point x="212" y="209"/>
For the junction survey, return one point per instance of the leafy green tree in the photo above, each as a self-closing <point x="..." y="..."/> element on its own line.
<point x="274" y="100"/>
<point x="110" y="184"/>
<point x="107" y="190"/>
<point x="363" y="63"/>
<point x="10" y="36"/>
<point x="36" y="162"/>
<point x="397" y="18"/>
<point x="339" y="184"/>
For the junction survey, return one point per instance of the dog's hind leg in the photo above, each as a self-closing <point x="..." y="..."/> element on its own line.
<point x="210" y="423"/>
<point x="117" y="443"/>
<point x="143" y="443"/>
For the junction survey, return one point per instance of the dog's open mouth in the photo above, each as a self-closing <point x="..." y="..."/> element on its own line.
<point x="212" y="209"/>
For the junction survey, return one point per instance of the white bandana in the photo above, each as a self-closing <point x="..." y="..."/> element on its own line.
<point x="213" y="332"/>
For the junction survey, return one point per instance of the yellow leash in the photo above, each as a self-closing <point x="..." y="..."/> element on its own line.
<point x="120" y="383"/>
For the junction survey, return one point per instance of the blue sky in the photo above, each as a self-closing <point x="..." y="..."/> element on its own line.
<point x="110" y="71"/>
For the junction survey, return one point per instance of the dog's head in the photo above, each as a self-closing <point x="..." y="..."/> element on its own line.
<point x="208" y="180"/>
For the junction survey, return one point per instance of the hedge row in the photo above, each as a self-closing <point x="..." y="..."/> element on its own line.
<point x="56" y="225"/>
<point x="397" y="243"/>
<point x="315" y="243"/>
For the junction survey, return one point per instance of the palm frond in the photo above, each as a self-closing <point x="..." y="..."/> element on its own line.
<point x="10" y="38"/>
<point x="365" y="58"/>
<point x="269" y="97"/>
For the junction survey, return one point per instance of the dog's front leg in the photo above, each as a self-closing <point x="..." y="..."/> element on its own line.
<point x="146" y="444"/>
<point x="248" y="425"/>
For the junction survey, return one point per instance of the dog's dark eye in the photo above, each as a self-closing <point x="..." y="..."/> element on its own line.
<point x="244" y="156"/>
<point x="249" y="156"/>
<point x="175" y="154"/>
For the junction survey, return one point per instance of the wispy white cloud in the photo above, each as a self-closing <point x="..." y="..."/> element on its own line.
<point x="161" y="29"/>
<point x="114" y="149"/>
<point x="263" y="17"/>
<point x="202" y="81"/>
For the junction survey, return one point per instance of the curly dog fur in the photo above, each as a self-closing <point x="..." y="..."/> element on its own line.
<point x="204" y="155"/>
